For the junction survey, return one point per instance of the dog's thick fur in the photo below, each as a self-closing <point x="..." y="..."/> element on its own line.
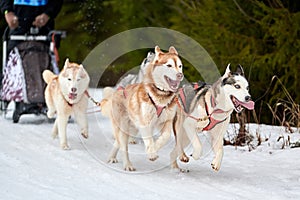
<point x="145" y="106"/>
<point x="210" y="109"/>
<point x="139" y="77"/>
<point x="64" y="95"/>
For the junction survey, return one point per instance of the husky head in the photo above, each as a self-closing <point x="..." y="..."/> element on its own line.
<point x="146" y="61"/>
<point x="73" y="80"/>
<point x="166" y="71"/>
<point x="236" y="89"/>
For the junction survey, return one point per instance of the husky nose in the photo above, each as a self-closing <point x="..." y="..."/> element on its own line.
<point x="248" y="98"/>
<point x="73" y="89"/>
<point x="179" y="76"/>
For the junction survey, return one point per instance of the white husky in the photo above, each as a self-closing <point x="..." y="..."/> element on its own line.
<point x="210" y="110"/>
<point x="64" y="95"/>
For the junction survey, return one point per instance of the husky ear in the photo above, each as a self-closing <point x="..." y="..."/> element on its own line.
<point x="173" y="50"/>
<point x="228" y="71"/>
<point x="82" y="71"/>
<point x="157" y="50"/>
<point x="66" y="63"/>
<point x="240" y="70"/>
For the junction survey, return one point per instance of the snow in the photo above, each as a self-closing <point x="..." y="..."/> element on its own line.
<point x="32" y="166"/>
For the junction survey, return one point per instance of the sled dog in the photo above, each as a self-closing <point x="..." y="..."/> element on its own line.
<point x="142" y="107"/>
<point x="208" y="108"/>
<point x="137" y="78"/>
<point x="65" y="95"/>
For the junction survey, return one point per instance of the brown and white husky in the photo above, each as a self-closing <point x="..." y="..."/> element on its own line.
<point x="145" y="106"/>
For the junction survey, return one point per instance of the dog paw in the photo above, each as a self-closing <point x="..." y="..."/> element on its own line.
<point x="152" y="156"/>
<point x="129" y="168"/>
<point x="184" y="158"/>
<point x="175" y="168"/>
<point x="112" y="160"/>
<point x="65" y="147"/>
<point x="50" y="114"/>
<point x="54" y="135"/>
<point x="85" y="135"/>
<point x="132" y="140"/>
<point x="215" y="165"/>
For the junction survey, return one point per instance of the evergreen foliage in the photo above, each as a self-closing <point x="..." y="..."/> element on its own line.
<point x="263" y="36"/>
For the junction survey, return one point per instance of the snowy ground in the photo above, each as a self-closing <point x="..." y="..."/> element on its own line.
<point x="32" y="166"/>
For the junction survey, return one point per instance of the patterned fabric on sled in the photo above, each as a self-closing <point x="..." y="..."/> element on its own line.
<point x="22" y="76"/>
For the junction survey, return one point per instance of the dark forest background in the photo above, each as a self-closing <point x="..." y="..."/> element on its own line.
<point x="263" y="36"/>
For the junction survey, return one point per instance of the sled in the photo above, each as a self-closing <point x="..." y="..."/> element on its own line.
<point x="22" y="68"/>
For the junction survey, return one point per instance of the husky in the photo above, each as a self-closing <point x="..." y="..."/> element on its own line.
<point x="208" y="108"/>
<point x="137" y="78"/>
<point x="142" y="107"/>
<point x="65" y="94"/>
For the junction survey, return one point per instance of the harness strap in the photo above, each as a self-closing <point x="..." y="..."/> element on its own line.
<point x="159" y="109"/>
<point x="212" y="121"/>
<point x="182" y="97"/>
<point x="190" y="116"/>
<point x="121" y="88"/>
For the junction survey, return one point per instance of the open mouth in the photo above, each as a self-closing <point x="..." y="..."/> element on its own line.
<point x="173" y="84"/>
<point x="72" y="96"/>
<point x="239" y="105"/>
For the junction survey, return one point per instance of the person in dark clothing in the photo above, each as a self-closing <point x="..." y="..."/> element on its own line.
<point x="27" y="17"/>
<point x="21" y="15"/>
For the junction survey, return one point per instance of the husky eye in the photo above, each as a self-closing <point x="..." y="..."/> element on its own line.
<point x="237" y="86"/>
<point x="69" y="79"/>
<point x="180" y="66"/>
<point x="169" y="65"/>
<point x="247" y="88"/>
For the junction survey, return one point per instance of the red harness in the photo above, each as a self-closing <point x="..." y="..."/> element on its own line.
<point x="212" y="121"/>
<point x="158" y="108"/>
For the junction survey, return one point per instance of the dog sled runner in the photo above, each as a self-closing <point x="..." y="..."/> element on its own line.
<point x="22" y="67"/>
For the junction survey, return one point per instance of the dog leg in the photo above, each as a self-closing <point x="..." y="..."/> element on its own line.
<point x="116" y="146"/>
<point x="81" y="119"/>
<point x="183" y="142"/>
<point x="50" y="104"/>
<point x="190" y="131"/>
<point x="114" y="152"/>
<point x="62" y="121"/>
<point x="55" y="129"/>
<point x="146" y="133"/>
<point x="123" y="138"/>
<point x="165" y="135"/>
<point x="217" y="134"/>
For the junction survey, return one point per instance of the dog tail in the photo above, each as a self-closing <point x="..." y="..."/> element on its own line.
<point x="106" y="101"/>
<point x="48" y="76"/>
<point x="108" y="92"/>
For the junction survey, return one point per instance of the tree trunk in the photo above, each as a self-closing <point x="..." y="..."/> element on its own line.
<point x="241" y="137"/>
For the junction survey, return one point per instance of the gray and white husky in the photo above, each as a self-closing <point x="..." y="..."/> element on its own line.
<point x="136" y="78"/>
<point x="209" y="109"/>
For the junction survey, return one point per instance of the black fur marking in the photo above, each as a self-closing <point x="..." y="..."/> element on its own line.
<point x="228" y="81"/>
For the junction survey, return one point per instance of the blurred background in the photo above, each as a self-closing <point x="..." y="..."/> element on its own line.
<point x="262" y="36"/>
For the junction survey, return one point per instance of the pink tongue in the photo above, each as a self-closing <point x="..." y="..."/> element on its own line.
<point x="72" y="96"/>
<point x="249" y="105"/>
